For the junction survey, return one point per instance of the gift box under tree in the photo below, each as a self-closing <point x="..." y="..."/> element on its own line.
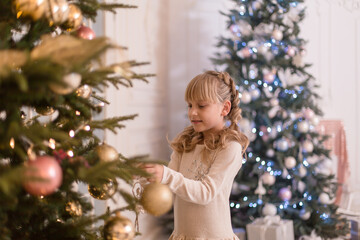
<point x="270" y="228"/>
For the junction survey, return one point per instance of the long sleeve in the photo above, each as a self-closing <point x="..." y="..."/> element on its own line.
<point x="226" y="165"/>
<point x="174" y="161"/>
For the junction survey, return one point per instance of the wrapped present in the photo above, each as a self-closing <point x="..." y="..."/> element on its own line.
<point x="312" y="236"/>
<point x="270" y="228"/>
<point x="240" y="233"/>
<point x="354" y="232"/>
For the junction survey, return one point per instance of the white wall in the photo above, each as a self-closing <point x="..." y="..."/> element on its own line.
<point x="333" y="32"/>
<point x="144" y="32"/>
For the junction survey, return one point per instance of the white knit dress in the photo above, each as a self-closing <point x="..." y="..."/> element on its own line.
<point x="201" y="205"/>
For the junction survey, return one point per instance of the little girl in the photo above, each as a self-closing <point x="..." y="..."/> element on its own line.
<point x="205" y="160"/>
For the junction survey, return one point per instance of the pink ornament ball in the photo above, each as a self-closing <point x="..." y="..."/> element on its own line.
<point x="85" y="33"/>
<point x="269" y="77"/>
<point x="285" y="194"/>
<point x="44" y="176"/>
<point x="246" y="52"/>
<point x="309" y="113"/>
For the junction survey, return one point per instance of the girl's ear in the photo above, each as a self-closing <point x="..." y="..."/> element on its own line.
<point x="226" y="108"/>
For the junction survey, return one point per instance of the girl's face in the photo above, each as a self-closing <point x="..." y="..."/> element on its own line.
<point x="207" y="117"/>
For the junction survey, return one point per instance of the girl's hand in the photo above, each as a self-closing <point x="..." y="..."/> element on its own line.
<point x="156" y="170"/>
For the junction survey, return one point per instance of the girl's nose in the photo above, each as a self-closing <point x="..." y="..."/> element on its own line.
<point x="193" y="112"/>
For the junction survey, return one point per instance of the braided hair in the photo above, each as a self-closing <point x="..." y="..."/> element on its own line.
<point x="216" y="87"/>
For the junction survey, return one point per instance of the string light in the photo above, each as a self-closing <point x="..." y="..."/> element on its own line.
<point x="12" y="143"/>
<point x="87" y="128"/>
<point x="70" y="153"/>
<point x="52" y="143"/>
<point x="77" y="113"/>
<point x="72" y="133"/>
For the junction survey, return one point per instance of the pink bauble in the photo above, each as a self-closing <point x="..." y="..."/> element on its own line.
<point x="269" y="77"/>
<point x="291" y="51"/>
<point x="285" y="194"/>
<point x="268" y="179"/>
<point x="85" y="33"/>
<point x="245" y="52"/>
<point x="309" y="113"/>
<point x="48" y="170"/>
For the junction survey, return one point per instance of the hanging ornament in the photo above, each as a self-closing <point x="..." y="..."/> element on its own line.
<point x="269" y="210"/>
<point x="118" y="228"/>
<point x="45" y="111"/>
<point x="269" y="77"/>
<point x="156" y="199"/>
<point x="301" y="186"/>
<point x="285" y="194"/>
<point x="74" y="18"/>
<point x="290" y="51"/>
<point x="30" y="8"/>
<point x="43" y="176"/>
<point x="263" y="49"/>
<point x="85" y="33"/>
<point x="277" y="35"/>
<point x="303" y="126"/>
<point x="105" y="191"/>
<point x="282" y="145"/>
<point x="270" y="152"/>
<point x="304" y="215"/>
<point x="74" y="209"/>
<point x="315" y="121"/>
<point x="268" y="179"/>
<point x="309" y="113"/>
<point x="107" y="153"/>
<point x="324" y="198"/>
<point x="84" y="91"/>
<point x="302" y="171"/>
<point x="245" y="97"/>
<point x="256" y="5"/>
<point x="260" y="190"/>
<point x="57" y="11"/>
<point x="313" y="159"/>
<point x="244" y="52"/>
<point x="255" y="93"/>
<point x="290" y="162"/>
<point x="71" y="81"/>
<point x="308" y="146"/>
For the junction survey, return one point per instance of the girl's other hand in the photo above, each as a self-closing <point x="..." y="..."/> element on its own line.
<point x="156" y="170"/>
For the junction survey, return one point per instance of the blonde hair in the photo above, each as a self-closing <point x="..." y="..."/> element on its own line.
<point x="215" y="87"/>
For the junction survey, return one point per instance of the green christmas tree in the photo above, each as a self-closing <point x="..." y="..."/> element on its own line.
<point x="51" y="91"/>
<point x="286" y="171"/>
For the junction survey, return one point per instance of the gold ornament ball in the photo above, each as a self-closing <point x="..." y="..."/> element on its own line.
<point x="75" y="17"/>
<point x="84" y="91"/>
<point x="156" y="199"/>
<point x="57" y="11"/>
<point x="71" y="82"/>
<point x="119" y="228"/>
<point x="74" y="209"/>
<point x="45" y="111"/>
<point x="104" y="192"/>
<point x="107" y="153"/>
<point x="30" y="8"/>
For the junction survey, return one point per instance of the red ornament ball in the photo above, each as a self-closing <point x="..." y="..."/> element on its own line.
<point x="85" y="33"/>
<point x="285" y="194"/>
<point x="44" y="176"/>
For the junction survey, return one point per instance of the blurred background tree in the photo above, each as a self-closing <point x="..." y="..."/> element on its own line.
<point x="287" y="170"/>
